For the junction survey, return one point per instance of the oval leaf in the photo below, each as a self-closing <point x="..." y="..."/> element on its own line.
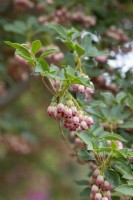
<point x="85" y="155"/>
<point x="114" y="137"/>
<point x="36" y="45"/>
<point x="125" y="189"/>
<point x="112" y="177"/>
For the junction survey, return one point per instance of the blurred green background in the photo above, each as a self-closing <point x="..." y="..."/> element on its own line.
<point x="35" y="162"/>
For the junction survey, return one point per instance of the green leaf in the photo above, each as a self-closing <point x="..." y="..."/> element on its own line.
<point x="98" y="103"/>
<point x="60" y="30"/>
<point x="128" y="176"/>
<point x="48" y="52"/>
<point x="113" y="145"/>
<point x="112" y="177"/>
<point x="18" y="27"/>
<point x="98" y="131"/>
<point x="54" y="68"/>
<point x="42" y="67"/>
<point x="87" y="139"/>
<point x="105" y="112"/>
<point x="85" y="155"/>
<point x="113" y="149"/>
<point x="87" y="42"/>
<point x="74" y="33"/>
<point x="80" y="51"/>
<point x="125" y="189"/>
<point x="82" y="182"/>
<point x="94" y="52"/>
<point x="14" y="45"/>
<point x="70" y="71"/>
<point x="31" y="21"/>
<point x="115" y="198"/>
<point x="24" y="56"/>
<point x="36" y="46"/>
<point x="69" y="44"/>
<point x="121" y="97"/>
<point x="38" y="69"/>
<point x="85" y="193"/>
<point x="108" y="97"/>
<point x="92" y="111"/>
<point x="123" y="167"/>
<point x="19" y="47"/>
<point x="128" y="124"/>
<point x="114" y="137"/>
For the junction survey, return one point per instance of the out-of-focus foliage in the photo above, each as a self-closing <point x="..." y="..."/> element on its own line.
<point x="34" y="161"/>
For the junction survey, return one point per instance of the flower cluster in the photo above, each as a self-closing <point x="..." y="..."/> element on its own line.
<point x="117" y="34"/>
<point x="63" y="15"/>
<point x="100" y="188"/>
<point x="82" y="89"/>
<point x="87" y="21"/>
<point x="21" y="5"/>
<point x="19" y="69"/>
<point x="18" y="144"/>
<point x="74" y="119"/>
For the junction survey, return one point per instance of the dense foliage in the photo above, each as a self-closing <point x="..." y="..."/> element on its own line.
<point x="91" y="101"/>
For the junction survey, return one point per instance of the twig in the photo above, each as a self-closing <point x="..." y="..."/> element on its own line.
<point x="63" y="136"/>
<point x="47" y="87"/>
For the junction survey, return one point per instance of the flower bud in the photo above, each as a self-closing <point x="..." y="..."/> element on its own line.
<point x="107" y="194"/>
<point x="49" y="111"/>
<point x="109" y="142"/>
<point x="105" y="198"/>
<point x="78" y="141"/>
<point x="58" y="116"/>
<point x="83" y="125"/>
<point x="94" y="189"/>
<point x="87" y="96"/>
<point x="58" y="56"/>
<point x="60" y="108"/>
<point x="75" y="120"/>
<point x="69" y="103"/>
<point x="89" y="120"/>
<point x="96" y="173"/>
<point x="119" y="144"/>
<point x="68" y="112"/>
<point x="100" y="180"/>
<point x="91" y="197"/>
<point x="74" y="110"/>
<point x="75" y="87"/>
<point x="81" y="88"/>
<point x="81" y="117"/>
<point x="98" y="196"/>
<point x="79" y="129"/>
<point x="20" y="59"/>
<point x="130" y="160"/>
<point x="101" y="59"/>
<point x="92" y="166"/>
<point x="57" y="84"/>
<point x="55" y="113"/>
<point x="86" y="76"/>
<point x="89" y="91"/>
<point x="106" y="185"/>
<point x="72" y="134"/>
